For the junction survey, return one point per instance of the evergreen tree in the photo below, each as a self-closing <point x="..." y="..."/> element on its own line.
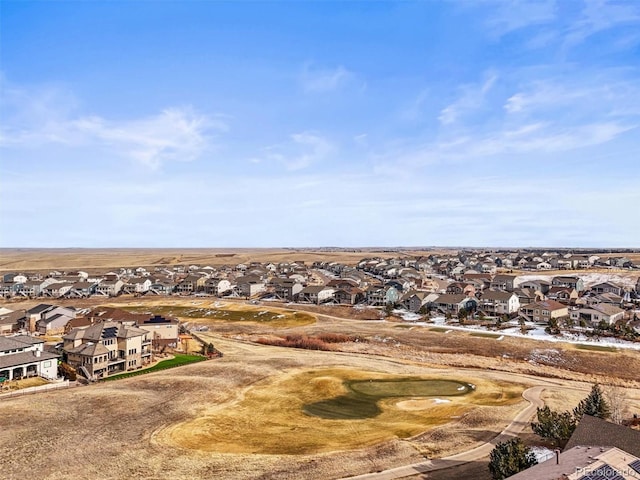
<point x="554" y="426"/>
<point x="594" y="404"/>
<point x="509" y="458"/>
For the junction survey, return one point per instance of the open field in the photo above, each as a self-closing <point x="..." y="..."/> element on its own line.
<point x="88" y="259"/>
<point x="243" y="416"/>
<point x="205" y="312"/>
<point x="294" y="414"/>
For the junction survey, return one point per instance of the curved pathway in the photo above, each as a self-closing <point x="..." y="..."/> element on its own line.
<point x="532" y="395"/>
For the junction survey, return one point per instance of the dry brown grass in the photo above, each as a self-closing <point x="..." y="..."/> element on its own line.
<point x="275" y="409"/>
<point x="123" y="429"/>
<point x="39" y="259"/>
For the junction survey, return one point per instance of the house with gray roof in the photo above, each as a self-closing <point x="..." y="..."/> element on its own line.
<point x="22" y="356"/>
<point x="106" y="348"/>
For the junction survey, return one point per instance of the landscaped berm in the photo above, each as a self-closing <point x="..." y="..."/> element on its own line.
<point x="311" y="411"/>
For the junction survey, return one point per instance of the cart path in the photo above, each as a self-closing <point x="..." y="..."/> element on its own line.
<point x="532" y="395"/>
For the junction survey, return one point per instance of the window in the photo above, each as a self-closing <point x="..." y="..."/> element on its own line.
<point x="47" y="364"/>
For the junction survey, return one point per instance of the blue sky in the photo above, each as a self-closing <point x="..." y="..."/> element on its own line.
<point x="267" y="124"/>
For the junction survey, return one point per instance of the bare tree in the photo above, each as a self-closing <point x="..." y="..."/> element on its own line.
<point x="618" y="403"/>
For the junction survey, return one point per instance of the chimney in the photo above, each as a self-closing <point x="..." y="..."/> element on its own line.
<point x="38" y="353"/>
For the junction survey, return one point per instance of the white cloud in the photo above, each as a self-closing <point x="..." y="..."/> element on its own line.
<point x="472" y="98"/>
<point x="318" y="80"/>
<point x="599" y="15"/>
<point x="39" y="117"/>
<point x="303" y="150"/>
<point x="508" y="16"/>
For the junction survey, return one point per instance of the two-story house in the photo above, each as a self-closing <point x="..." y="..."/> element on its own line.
<point x="106" y="348"/>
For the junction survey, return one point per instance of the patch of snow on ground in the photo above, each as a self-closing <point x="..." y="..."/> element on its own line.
<point x="548" y="356"/>
<point x="538" y="333"/>
<point x="501" y="337"/>
<point x="589" y="279"/>
<point x="441" y="400"/>
<point x="407" y="316"/>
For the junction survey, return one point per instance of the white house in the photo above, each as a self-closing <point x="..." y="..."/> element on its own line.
<point x="24" y="356"/>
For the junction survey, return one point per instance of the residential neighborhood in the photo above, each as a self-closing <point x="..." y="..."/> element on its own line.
<point x="461" y="285"/>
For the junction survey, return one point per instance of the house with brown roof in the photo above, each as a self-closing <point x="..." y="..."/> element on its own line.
<point x="585" y="463"/>
<point x="568" y="282"/>
<point x="11" y="322"/>
<point x="499" y="302"/>
<point x="453" y="303"/>
<point x="595" y="314"/>
<point x="594" y="431"/>
<point x="350" y="296"/>
<point x="503" y="282"/>
<point x="566" y="295"/>
<point x="544" y="311"/>
<point x="316" y="294"/>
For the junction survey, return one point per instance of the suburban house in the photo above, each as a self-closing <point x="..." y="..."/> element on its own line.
<point x="584" y="463"/>
<point x="286" y="288"/>
<point x="566" y="295"/>
<point x="568" y="282"/>
<point x="162" y="287"/>
<point x="53" y="320"/>
<point x="413" y="300"/>
<point x="31" y="288"/>
<point x="595" y="314"/>
<point x="137" y="285"/>
<point x="109" y="288"/>
<point x="249" y="286"/>
<point x="453" y="303"/>
<point x="608" y="287"/>
<point x="499" y="302"/>
<point x="316" y="294"/>
<point x="107" y="348"/>
<point x="191" y="284"/>
<point x="11" y="322"/>
<point x="544" y="311"/>
<point x="381" y="296"/>
<point x="541" y="286"/>
<point x="24" y="356"/>
<point x="56" y="290"/>
<point x="164" y="331"/>
<point x="217" y="286"/>
<point x="503" y="282"/>
<point x="81" y="289"/>
<point x="350" y="296"/>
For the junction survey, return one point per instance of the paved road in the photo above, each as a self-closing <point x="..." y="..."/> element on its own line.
<point x="532" y="395"/>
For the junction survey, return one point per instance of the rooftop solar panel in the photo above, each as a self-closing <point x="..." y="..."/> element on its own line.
<point x="635" y="465"/>
<point x="604" y="472"/>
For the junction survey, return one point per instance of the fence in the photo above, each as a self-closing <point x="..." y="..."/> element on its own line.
<point x="39" y="389"/>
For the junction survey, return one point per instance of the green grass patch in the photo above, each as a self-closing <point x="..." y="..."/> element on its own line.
<point x="438" y="329"/>
<point x="363" y="396"/>
<point x="597" y="348"/>
<point x="260" y="316"/>
<point x="178" y="360"/>
<point x="485" y="335"/>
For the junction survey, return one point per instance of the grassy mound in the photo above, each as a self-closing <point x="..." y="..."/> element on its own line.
<point x="276" y="409"/>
